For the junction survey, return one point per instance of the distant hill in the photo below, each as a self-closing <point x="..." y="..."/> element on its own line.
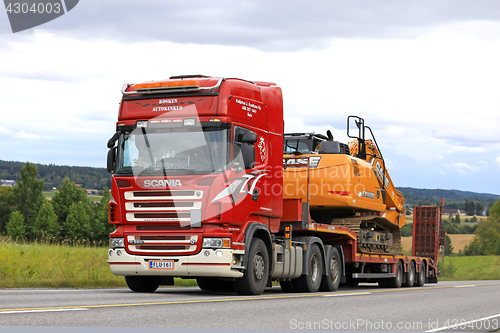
<point x="452" y="198"/>
<point x="53" y="175"/>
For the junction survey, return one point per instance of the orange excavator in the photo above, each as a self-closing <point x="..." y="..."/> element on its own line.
<point x="346" y="185"/>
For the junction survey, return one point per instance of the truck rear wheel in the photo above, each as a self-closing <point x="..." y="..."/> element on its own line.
<point x="254" y="280"/>
<point x="331" y="282"/>
<point x="143" y="284"/>
<point x="410" y="275"/>
<point x="420" y="280"/>
<point x="311" y="282"/>
<point x="397" y="280"/>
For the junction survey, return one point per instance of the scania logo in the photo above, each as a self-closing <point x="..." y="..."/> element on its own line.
<point x="162" y="183"/>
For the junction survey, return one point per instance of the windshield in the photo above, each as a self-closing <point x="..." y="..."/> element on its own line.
<point x="173" y="151"/>
<point x="297" y="144"/>
<point x="302" y="144"/>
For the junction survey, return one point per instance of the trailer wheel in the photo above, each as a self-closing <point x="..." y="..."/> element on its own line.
<point x="310" y="283"/>
<point x="397" y="281"/>
<point x="288" y="286"/>
<point x="213" y="284"/>
<point x="254" y="280"/>
<point x="410" y="275"/>
<point x="143" y="284"/>
<point x="331" y="282"/>
<point x="420" y="280"/>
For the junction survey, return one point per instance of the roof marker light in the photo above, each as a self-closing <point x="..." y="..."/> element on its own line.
<point x="167" y="84"/>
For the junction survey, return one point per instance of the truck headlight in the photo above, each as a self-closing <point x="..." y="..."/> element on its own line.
<point x="116" y="242"/>
<point x="217" y="243"/>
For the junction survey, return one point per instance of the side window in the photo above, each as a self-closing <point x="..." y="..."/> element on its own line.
<point x="238" y="133"/>
<point x="248" y="150"/>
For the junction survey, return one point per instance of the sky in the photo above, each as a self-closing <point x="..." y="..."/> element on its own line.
<point x="425" y="75"/>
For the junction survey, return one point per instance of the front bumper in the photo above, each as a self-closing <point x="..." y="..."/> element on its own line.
<point x="198" y="265"/>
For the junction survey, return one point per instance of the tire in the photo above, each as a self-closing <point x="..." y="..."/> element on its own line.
<point x="214" y="284"/>
<point x="410" y="275"/>
<point x="254" y="280"/>
<point x="331" y="282"/>
<point x="143" y="284"/>
<point x="288" y="286"/>
<point x="310" y="283"/>
<point x="420" y="279"/>
<point x="397" y="280"/>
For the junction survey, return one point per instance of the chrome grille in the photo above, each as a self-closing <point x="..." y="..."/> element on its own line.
<point x="162" y="243"/>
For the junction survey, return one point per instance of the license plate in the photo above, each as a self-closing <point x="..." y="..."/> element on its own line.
<point x="161" y="264"/>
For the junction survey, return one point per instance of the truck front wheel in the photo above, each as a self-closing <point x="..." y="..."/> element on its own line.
<point x="143" y="284"/>
<point x="214" y="284"/>
<point x="254" y="280"/>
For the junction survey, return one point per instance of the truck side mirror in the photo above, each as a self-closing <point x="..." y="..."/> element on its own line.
<point x="111" y="142"/>
<point x="248" y="154"/>
<point x="111" y="160"/>
<point x="249" y="137"/>
<point x="248" y="149"/>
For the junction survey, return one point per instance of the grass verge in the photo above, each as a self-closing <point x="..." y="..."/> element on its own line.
<point x="43" y="265"/>
<point x="469" y="268"/>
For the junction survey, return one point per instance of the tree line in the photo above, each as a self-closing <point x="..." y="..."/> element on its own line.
<point x="471" y="202"/>
<point x="487" y="235"/>
<point x="54" y="175"/>
<point x="25" y="214"/>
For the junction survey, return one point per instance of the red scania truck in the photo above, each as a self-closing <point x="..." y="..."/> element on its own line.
<point x="197" y="192"/>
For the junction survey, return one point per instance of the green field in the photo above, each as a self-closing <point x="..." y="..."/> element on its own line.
<point x="50" y="194"/>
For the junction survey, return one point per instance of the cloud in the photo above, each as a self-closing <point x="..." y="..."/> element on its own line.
<point x="497" y="160"/>
<point x="278" y="25"/>
<point x="465" y="168"/>
<point x="466" y="149"/>
<point x="4" y="130"/>
<point x="23" y="135"/>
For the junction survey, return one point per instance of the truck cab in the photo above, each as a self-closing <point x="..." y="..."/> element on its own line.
<point x="192" y="162"/>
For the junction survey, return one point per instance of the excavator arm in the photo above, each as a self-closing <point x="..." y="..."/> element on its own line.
<point x="394" y="201"/>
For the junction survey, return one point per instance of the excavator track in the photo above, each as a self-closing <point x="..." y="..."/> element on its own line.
<point x="376" y="235"/>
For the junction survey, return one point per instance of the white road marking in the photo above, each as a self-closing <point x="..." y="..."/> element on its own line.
<point x="466" y="286"/>
<point x="42" y="310"/>
<point x="463" y="324"/>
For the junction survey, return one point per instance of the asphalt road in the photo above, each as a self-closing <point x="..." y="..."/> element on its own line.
<point x="473" y="305"/>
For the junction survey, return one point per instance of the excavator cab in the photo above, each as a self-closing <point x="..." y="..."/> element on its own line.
<point x="302" y="143"/>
